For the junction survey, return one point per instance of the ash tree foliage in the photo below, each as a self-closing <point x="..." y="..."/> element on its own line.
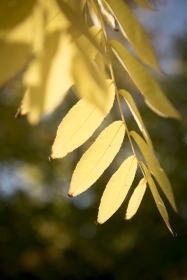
<point x="63" y="44"/>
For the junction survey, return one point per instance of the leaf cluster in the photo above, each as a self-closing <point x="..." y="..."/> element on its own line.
<point x="63" y="51"/>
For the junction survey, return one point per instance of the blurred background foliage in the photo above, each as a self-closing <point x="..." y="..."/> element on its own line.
<point x="46" y="235"/>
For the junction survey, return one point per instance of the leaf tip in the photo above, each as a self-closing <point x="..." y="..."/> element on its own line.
<point x="18" y="113"/>
<point x="70" y="195"/>
<point x="50" y="158"/>
<point x="96" y="223"/>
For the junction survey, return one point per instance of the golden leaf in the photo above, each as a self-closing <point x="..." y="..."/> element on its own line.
<point x="135" y="199"/>
<point x="80" y="123"/>
<point x="117" y="189"/>
<point x="97" y="158"/>
<point x="134" y="32"/>
<point x="148" y="86"/>
<point x="155" y="168"/>
<point x="159" y="202"/>
<point x="136" y="115"/>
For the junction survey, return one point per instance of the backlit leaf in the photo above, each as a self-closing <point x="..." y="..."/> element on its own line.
<point x="155" y="168"/>
<point x="86" y="45"/>
<point x="136" y="115"/>
<point x="159" y="202"/>
<point x="134" y="32"/>
<point x="97" y="158"/>
<point x="76" y="21"/>
<point x="49" y="77"/>
<point x="148" y="86"/>
<point x="107" y="14"/>
<point x="88" y="82"/>
<point x="80" y="123"/>
<point x="117" y="189"/>
<point x="135" y="199"/>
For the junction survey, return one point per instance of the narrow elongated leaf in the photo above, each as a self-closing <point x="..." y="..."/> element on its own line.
<point x="136" y="115"/>
<point x="155" y="168"/>
<point x="117" y="189"/>
<point x="80" y="123"/>
<point x="143" y="3"/>
<point x="134" y="32"/>
<point x="107" y="14"/>
<point x="159" y="202"/>
<point x="148" y="86"/>
<point x="135" y="199"/>
<point x="97" y="158"/>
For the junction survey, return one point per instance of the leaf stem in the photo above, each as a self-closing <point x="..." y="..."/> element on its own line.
<point x="107" y="50"/>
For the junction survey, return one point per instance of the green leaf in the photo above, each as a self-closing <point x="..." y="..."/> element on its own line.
<point x="117" y="189"/>
<point x="148" y="86"/>
<point x="159" y="202"/>
<point x="135" y="199"/>
<point x="97" y="158"/>
<point x="13" y="12"/>
<point x="71" y="134"/>
<point x="155" y="168"/>
<point x="136" y="115"/>
<point x="134" y="32"/>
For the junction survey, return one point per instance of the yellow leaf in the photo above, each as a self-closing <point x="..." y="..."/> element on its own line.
<point x="144" y="3"/>
<point x="99" y="64"/>
<point x="159" y="202"/>
<point x="88" y="82"/>
<point x="117" y="189"/>
<point x="97" y="158"/>
<point x="148" y="86"/>
<point x="86" y="45"/>
<point x="13" y="12"/>
<point x="76" y="22"/>
<point x="135" y="199"/>
<point x="93" y="13"/>
<point x="155" y="168"/>
<point x="136" y="115"/>
<point x="49" y="77"/>
<point x="56" y="20"/>
<point x="134" y="32"/>
<point x="13" y="57"/>
<point x="107" y="14"/>
<point x="80" y="123"/>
